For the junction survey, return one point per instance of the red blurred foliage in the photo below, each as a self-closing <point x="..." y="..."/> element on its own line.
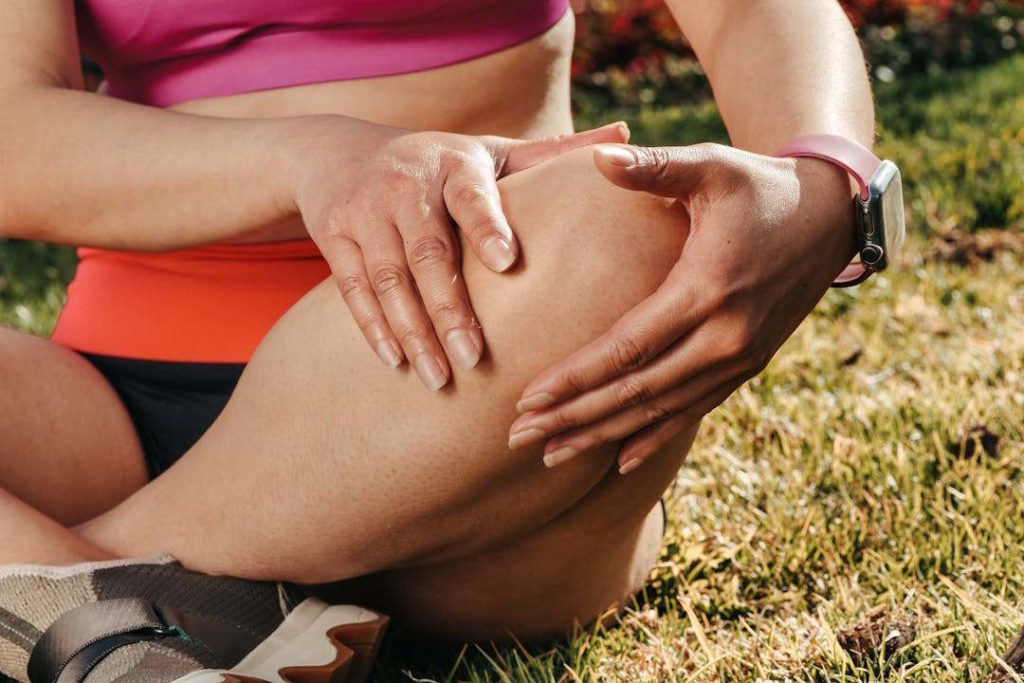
<point x="628" y="45"/>
<point x="888" y="12"/>
<point x="631" y="33"/>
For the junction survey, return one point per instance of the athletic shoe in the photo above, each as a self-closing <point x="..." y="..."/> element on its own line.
<point x="155" y="622"/>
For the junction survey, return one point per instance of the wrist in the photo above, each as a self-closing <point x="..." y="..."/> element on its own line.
<point x="288" y="158"/>
<point x="304" y="147"/>
<point x="828" y="192"/>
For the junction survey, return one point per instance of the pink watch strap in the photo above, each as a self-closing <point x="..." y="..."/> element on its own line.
<point x="855" y="159"/>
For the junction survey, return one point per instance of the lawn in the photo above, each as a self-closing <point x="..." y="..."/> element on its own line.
<point x="874" y="470"/>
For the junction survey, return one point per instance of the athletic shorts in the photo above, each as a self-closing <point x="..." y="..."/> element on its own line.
<point x="171" y="404"/>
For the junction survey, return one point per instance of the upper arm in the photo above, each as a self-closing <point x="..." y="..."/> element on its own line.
<point x="38" y="44"/>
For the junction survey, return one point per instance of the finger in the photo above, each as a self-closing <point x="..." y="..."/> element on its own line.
<point x="395" y="290"/>
<point x="666" y="171"/>
<point x="639" y="336"/>
<point x="649" y="441"/>
<point x="697" y="352"/>
<point x="471" y="196"/>
<point x="515" y="155"/>
<point x="433" y="256"/>
<point x="689" y="400"/>
<point x="645" y="443"/>
<point x="349" y="271"/>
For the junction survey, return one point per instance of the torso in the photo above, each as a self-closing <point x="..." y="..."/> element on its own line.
<point x="522" y="91"/>
<point x="195" y="305"/>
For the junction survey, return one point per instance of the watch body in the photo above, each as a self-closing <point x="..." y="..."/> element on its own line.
<point x="878" y="208"/>
<point x="881" y="223"/>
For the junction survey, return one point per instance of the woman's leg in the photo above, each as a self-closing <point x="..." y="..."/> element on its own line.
<point x="325" y="465"/>
<point x="27" y="536"/>
<point x="593" y="557"/>
<point x="67" y="446"/>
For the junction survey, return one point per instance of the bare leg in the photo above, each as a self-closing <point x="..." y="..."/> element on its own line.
<point x="326" y="466"/>
<point x="29" y="537"/>
<point x="67" y="450"/>
<point x="593" y="557"/>
<point x="67" y="446"/>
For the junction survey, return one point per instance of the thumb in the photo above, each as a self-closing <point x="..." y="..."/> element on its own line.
<point x="515" y="155"/>
<point x="665" y="171"/>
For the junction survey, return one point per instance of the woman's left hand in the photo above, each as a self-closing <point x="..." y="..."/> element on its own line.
<point x="767" y="238"/>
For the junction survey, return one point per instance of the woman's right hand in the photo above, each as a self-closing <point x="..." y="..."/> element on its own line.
<point x="380" y="202"/>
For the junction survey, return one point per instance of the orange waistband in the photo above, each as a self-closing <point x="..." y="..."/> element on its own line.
<point x="209" y="304"/>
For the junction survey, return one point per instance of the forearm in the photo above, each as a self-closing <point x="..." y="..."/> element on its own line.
<point x="781" y="68"/>
<point x="83" y="169"/>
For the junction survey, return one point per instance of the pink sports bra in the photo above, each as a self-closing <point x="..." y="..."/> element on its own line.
<point x="160" y="52"/>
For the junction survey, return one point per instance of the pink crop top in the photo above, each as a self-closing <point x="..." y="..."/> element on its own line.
<point x="160" y="52"/>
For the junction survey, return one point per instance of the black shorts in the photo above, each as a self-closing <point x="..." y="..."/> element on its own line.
<point x="171" y="404"/>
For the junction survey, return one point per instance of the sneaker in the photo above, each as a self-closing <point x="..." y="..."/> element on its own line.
<point x="156" y="622"/>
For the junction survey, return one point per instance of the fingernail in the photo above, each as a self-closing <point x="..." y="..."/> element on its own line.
<point x="625" y="129"/>
<point x="630" y="465"/>
<point x="388" y="353"/>
<point x="557" y="457"/>
<point x="618" y="156"/>
<point x="430" y="371"/>
<point x="462" y="349"/>
<point x="526" y="437"/>
<point x="498" y="253"/>
<point x="535" y="402"/>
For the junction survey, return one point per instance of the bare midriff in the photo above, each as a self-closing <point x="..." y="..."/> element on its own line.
<point x="215" y="303"/>
<point x="522" y="91"/>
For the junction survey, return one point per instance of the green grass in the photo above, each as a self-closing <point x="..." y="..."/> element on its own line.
<point x="840" y="480"/>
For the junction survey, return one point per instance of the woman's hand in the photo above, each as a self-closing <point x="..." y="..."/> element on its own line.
<point x="380" y="202"/>
<point x="767" y="238"/>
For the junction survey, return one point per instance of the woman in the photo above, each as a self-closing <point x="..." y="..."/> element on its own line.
<point x="233" y="131"/>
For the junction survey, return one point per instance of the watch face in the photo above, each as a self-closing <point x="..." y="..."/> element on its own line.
<point x="886" y="227"/>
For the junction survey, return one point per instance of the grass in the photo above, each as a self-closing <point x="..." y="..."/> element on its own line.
<point x="877" y="464"/>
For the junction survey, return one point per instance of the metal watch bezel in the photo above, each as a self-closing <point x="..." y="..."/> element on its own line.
<point x="881" y="222"/>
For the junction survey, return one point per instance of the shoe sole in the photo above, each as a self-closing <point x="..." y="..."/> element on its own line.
<point x="316" y="643"/>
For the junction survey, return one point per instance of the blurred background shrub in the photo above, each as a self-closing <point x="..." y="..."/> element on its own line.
<point x="629" y="52"/>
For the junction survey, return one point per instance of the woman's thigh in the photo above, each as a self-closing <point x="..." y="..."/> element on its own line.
<point x="325" y="465"/>
<point x="588" y="562"/>
<point x="67" y="446"/>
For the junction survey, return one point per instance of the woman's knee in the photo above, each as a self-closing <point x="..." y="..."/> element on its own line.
<point x="591" y="249"/>
<point x="590" y="252"/>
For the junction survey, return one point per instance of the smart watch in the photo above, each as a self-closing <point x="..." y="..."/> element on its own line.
<point x="877" y="209"/>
